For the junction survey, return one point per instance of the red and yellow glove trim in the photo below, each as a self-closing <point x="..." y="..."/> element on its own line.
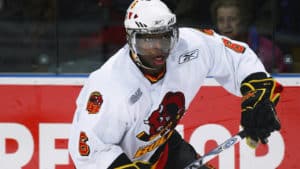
<point x="261" y="88"/>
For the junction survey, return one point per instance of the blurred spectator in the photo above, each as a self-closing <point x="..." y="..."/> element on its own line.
<point x="233" y="19"/>
<point x="90" y="32"/>
<point x="111" y="35"/>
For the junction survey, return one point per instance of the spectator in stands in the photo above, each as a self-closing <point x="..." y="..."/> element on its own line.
<point x="111" y="35"/>
<point x="232" y="19"/>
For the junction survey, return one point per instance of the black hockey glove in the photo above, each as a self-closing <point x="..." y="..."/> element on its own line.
<point x="260" y="96"/>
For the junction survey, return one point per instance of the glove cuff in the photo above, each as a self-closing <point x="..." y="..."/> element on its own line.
<point x="260" y="84"/>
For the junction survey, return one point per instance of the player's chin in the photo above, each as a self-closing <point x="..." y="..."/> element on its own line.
<point x="158" y="65"/>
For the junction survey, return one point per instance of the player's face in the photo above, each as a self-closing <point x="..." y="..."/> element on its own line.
<point x="153" y="49"/>
<point x="228" y="21"/>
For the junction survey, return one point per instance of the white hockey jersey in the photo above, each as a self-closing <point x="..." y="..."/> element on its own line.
<point x="120" y="111"/>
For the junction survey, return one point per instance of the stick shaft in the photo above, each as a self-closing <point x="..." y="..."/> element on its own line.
<point x="216" y="151"/>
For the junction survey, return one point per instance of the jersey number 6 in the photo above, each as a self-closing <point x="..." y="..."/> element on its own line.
<point x="234" y="46"/>
<point x="84" y="149"/>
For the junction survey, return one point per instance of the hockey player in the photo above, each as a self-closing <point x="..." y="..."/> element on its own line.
<point x="128" y="109"/>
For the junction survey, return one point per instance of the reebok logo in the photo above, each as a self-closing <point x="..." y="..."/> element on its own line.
<point x="188" y="56"/>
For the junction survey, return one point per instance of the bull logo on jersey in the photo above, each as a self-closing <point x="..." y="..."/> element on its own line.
<point x="94" y="103"/>
<point x="166" y="117"/>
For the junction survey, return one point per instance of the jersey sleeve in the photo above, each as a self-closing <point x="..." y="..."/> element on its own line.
<point x="97" y="128"/>
<point x="231" y="62"/>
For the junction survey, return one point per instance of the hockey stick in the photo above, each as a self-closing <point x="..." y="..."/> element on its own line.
<point x="216" y="151"/>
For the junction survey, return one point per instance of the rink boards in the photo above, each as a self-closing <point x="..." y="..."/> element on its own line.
<point x="36" y="113"/>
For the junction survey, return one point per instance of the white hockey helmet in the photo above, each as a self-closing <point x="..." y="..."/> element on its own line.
<point x="150" y="17"/>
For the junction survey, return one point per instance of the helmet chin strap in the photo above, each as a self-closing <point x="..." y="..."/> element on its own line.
<point x="138" y="61"/>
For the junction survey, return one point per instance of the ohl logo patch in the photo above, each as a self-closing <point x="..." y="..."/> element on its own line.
<point x="94" y="103"/>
